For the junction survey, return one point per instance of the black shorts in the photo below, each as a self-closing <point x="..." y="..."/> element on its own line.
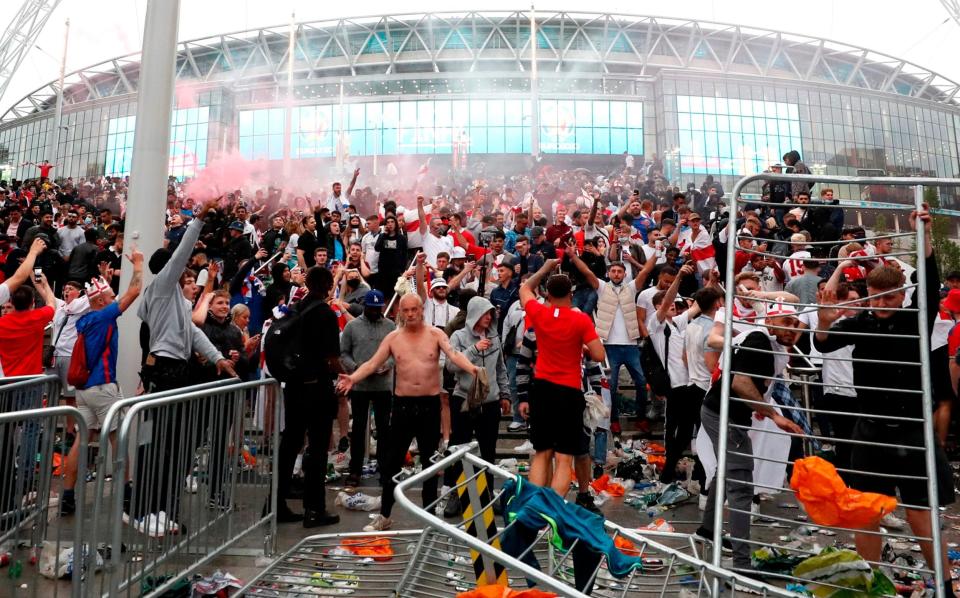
<point x="897" y="462"/>
<point x="556" y="419"/>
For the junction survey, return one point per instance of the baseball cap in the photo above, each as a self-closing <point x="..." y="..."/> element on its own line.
<point x="373" y="299"/>
<point x="458" y="253"/>
<point x="780" y="309"/>
<point x="236" y="225"/>
<point x="438" y="283"/>
<point x="536" y="231"/>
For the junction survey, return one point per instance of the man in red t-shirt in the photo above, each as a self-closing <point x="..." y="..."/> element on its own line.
<point x="555" y="408"/>
<point x="45" y="168"/>
<point x="21" y="352"/>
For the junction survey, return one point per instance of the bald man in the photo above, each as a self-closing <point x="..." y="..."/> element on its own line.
<point x="415" y="349"/>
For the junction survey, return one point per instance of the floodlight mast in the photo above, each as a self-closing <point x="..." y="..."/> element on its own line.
<point x="20" y="35"/>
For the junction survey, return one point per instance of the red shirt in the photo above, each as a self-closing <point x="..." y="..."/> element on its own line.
<point x="561" y="334"/>
<point x="45" y="170"/>
<point x="953" y="340"/>
<point x="21" y="352"/>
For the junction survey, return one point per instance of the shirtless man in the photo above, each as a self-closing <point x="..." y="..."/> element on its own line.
<point x="415" y="349"/>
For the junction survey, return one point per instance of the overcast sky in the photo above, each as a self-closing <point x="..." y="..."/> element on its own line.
<point x="103" y="29"/>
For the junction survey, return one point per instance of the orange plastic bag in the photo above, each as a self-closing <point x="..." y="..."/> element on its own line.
<point x="495" y="591"/>
<point x="626" y="546"/>
<point x="828" y="501"/>
<point x="658" y="461"/>
<point x="603" y="484"/>
<point x="378" y="548"/>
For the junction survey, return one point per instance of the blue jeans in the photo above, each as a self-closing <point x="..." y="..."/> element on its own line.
<point x="511" y="363"/>
<point x="600" y="446"/>
<point x="629" y="356"/>
<point x="585" y="299"/>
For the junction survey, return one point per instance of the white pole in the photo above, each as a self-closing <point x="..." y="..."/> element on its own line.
<point x="54" y="136"/>
<point x="534" y="87"/>
<point x="288" y="116"/>
<point x="146" y="203"/>
<point x="340" y="141"/>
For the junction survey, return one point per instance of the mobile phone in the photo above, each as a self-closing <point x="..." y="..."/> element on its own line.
<point x="37" y="274"/>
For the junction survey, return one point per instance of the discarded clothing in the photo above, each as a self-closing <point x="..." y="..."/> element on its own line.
<point x="828" y="501"/>
<point x="536" y="507"/>
<point x="495" y="591"/>
<point x="843" y="568"/>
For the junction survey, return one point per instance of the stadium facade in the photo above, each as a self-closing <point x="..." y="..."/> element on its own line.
<point x="707" y="98"/>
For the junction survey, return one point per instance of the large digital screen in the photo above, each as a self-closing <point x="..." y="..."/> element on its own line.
<point x="483" y="126"/>
<point x="188" y="143"/>
<point x="735" y="137"/>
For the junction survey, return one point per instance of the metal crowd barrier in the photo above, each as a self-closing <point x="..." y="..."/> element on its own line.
<point x="201" y="479"/>
<point x="790" y="535"/>
<point x="443" y="559"/>
<point x="37" y="546"/>
<point x="28" y="392"/>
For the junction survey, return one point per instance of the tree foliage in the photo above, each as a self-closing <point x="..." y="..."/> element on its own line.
<point x="946" y="250"/>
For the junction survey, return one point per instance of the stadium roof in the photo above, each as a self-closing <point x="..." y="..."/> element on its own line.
<point x="499" y="41"/>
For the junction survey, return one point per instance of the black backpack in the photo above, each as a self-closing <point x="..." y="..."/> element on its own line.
<point x="283" y="349"/>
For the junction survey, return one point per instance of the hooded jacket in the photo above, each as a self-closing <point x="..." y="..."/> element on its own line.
<point x="465" y="341"/>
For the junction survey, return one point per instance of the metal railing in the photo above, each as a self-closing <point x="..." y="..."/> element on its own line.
<point x="670" y="564"/>
<point x="201" y="479"/>
<point x="38" y="545"/>
<point x="811" y="409"/>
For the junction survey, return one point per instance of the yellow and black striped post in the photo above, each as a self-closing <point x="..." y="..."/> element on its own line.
<point x="477" y="497"/>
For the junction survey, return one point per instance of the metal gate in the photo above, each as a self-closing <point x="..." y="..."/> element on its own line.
<point x="778" y="533"/>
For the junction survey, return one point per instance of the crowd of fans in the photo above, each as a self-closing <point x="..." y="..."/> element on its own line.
<point x="535" y="282"/>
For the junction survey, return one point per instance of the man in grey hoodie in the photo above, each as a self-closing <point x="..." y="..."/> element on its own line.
<point x="479" y="342"/>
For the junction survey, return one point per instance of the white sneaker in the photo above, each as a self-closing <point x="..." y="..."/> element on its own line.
<point x="154" y="525"/>
<point x="379" y="524"/>
<point x="892" y="521"/>
<point x="516" y="427"/>
<point x="192" y="484"/>
<point x="526" y="447"/>
<point x="413" y="446"/>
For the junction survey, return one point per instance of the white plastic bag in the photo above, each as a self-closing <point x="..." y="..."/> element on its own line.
<point x="595" y="413"/>
<point x="358" y="501"/>
<point x="56" y="564"/>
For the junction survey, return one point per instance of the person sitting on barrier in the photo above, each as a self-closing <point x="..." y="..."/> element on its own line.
<point x="759" y="355"/>
<point x="886" y="413"/>
<point x="101" y="390"/>
<point x="415" y="348"/>
<point x="556" y="403"/>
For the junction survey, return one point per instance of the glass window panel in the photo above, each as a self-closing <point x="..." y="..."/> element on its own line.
<point x="276" y="120"/>
<point x="635" y="115"/>
<point x="495" y="140"/>
<point x="601" y="141"/>
<point x="356" y="117"/>
<point x="584" y="140"/>
<point x="442" y="140"/>
<point x="601" y="113"/>
<point x="478" y="116"/>
<point x="390" y="140"/>
<point x="442" y="114"/>
<point x="618" y="114"/>
<point x="618" y="141"/>
<point x="260" y="147"/>
<point x="408" y="116"/>
<point x="460" y="113"/>
<point x="494" y="114"/>
<point x="478" y="138"/>
<point x="513" y="113"/>
<point x="683" y="103"/>
<point x="260" y="122"/>
<point x="357" y="139"/>
<point x="425" y="114"/>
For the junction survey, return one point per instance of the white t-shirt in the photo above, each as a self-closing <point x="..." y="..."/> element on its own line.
<point x="4" y="293"/>
<point x="645" y="299"/>
<point x="793" y="266"/>
<point x="768" y="278"/>
<point x="837" y="369"/>
<point x="432" y="245"/>
<point x="695" y="342"/>
<point x="65" y="324"/>
<point x="438" y="314"/>
<point x="675" y="366"/>
<point x="370" y="254"/>
<point x="618" y="329"/>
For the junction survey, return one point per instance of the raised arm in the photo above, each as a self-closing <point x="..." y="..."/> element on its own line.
<point x="166" y="281"/>
<point x="26" y="267"/>
<point x="422" y="214"/>
<point x="136" y="281"/>
<point x="353" y="182"/>
<point x="580" y="265"/>
<point x="421" y="275"/>
<point x="533" y="282"/>
<point x="671" y="294"/>
<point x="45" y="292"/>
<point x="200" y="311"/>
<point x="641" y="278"/>
<point x="454" y="282"/>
